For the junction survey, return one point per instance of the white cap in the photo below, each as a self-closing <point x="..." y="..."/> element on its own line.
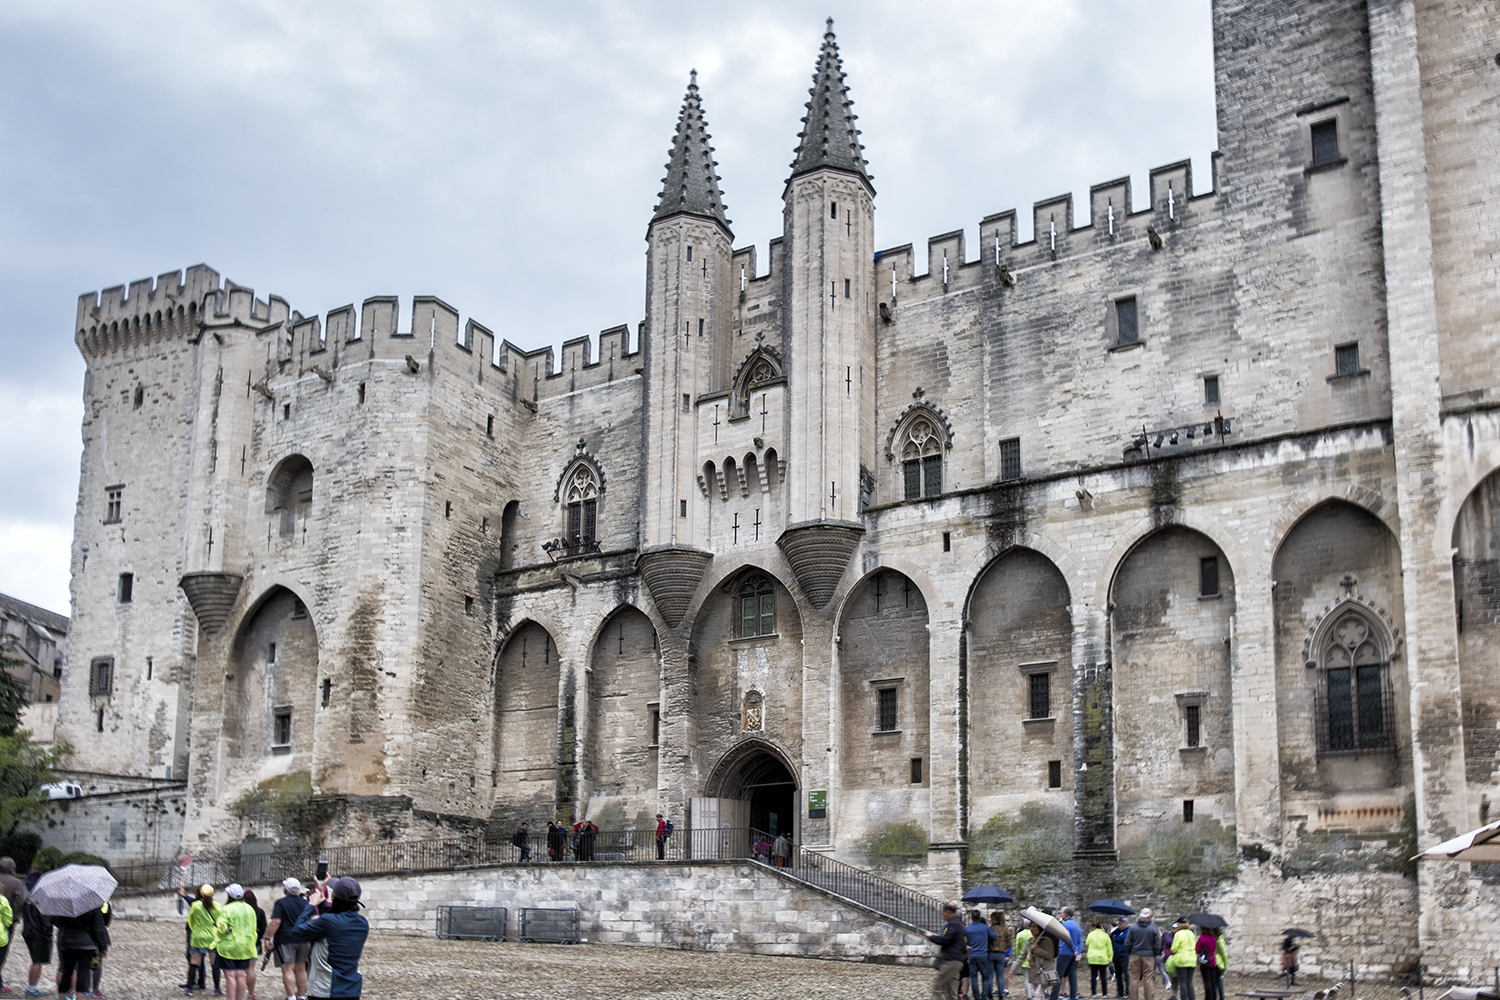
<point x="234" y="891"/>
<point x="291" y="885"/>
<point x="1146" y="913"/>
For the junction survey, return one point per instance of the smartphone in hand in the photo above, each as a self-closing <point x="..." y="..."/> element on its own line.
<point x="322" y="869"/>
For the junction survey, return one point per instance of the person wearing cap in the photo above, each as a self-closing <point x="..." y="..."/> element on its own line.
<point x="291" y="959"/>
<point x="338" y="940"/>
<point x="1143" y="944"/>
<point x="202" y="936"/>
<point x="236" y="928"/>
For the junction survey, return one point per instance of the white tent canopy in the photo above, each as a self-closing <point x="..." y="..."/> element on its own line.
<point x="1482" y="844"/>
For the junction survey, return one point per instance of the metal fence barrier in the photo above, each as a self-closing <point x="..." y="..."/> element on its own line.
<point x="548" y="926"/>
<point x="472" y="923"/>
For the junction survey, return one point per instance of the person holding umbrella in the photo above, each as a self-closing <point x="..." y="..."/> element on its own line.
<point x="73" y="896"/>
<point x="1122" y="957"/>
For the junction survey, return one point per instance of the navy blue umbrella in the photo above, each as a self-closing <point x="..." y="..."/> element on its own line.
<point x="988" y="894"/>
<point x="1111" y="906"/>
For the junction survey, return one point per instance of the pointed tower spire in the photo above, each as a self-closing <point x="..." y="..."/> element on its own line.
<point x="829" y="138"/>
<point x="691" y="187"/>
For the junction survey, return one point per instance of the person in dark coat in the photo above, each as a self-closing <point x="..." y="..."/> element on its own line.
<point x="953" y="943"/>
<point x="38" y="937"/>
<point x="557" y="840"/>
<point x="80" y="940"/>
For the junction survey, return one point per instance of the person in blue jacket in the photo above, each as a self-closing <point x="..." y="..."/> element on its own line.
<point x="338" y="940"/>
<point x="1067" y="956"/>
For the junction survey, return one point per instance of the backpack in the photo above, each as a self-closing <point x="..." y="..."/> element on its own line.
<point x="670" y="828"/>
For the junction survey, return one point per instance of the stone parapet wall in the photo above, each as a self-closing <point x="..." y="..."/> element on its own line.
<point x="726" y="907"/>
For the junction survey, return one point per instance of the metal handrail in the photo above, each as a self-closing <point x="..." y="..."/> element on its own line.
<point x="903" y="903"/>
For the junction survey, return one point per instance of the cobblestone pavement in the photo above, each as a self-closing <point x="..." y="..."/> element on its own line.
<point x="146" y="961"/>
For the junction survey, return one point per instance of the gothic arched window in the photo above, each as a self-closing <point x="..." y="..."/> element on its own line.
<point x="581" y="509"/>
<point x="1357" y="707"/>
<point x="756" y="603"/>
<point x="921" y="459"/>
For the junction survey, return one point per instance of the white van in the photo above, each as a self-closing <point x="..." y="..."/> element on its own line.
<point x="63" y="790"/>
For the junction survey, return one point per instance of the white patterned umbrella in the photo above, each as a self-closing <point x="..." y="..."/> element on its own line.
<point x="72" y="890"/>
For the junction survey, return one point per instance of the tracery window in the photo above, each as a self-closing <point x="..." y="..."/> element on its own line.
<point x="1356" y="710"/>
<point x="581" y="507"/>
<point x="921" y="459"/>
<point x="756" y="603"/>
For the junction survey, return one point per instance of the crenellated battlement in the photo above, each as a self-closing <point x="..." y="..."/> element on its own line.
<point x="1112" y="223"/>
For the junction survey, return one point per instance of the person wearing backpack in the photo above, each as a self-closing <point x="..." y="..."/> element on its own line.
<point x="521" y="839"/>
<point x="1143" y="945"/>
<point x="663" y="831"/>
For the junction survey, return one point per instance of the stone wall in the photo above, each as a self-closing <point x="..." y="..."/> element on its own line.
<point x="727" y="907"/>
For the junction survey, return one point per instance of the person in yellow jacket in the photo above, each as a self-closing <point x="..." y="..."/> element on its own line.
<point x="1182" y="961"/>
<point x="1100" y="951"/>
<point x="237" y="937"/>
<point x="1020" y="957"/>
<point x="202" y="935"/>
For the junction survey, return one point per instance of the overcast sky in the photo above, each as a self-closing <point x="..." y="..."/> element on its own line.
<point x="505" y="156"/>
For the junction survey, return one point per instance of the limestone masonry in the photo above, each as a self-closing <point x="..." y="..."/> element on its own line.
<point x="1156" y="557"/>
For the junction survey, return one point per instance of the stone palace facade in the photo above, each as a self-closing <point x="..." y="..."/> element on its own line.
<point x="1177" y="527"/>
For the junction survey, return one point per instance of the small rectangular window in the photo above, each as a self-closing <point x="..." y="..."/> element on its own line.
<point x="1325" y="142"/>
<point x="1054" y="774"/>
<point x="846" y="288"/>
<point x="1208" y="576"/>
<point x="1210" y="390"/>
<point x="114" y="499"/>
<point x="1039" y="691"/>
<point x="270" y="652"/>
<point x="682" y="508"/>
<point x="833" y="210"/>
<point x="127" y="587"/>
<point x="469" y="606"/>
<point x="700" y="328"/>
<point x="448" y="509"/>
<point x="1346" y="359"/>
<point x="281" y="727"/>
<point x="1187" y="810"/>
<point x="932" y="476"/>
<point x="690" y="253"/>
<point x="361" y="393"/>
<point x="99" y="720"/>
<point x="1191" y="714"/>
<point x="149" y="668"/>
<point x="887" y="720"/>
<point x="687" y="402"/>
<point x="1126" y="327"/>
<point x="102" y="677"/>
<point x="286" y="411"/>
<point x="489" y="425"/>
<point x="947" y="542"/>
<point x="1010" y="459"/>
<point x="916" y="770"/>
<point x="655" y="722"/>
<point x="327" y="691"/>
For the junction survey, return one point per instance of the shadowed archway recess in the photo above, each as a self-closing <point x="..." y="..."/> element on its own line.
<point x="758" y="773"/>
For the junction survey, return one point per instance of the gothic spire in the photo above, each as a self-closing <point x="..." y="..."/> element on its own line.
<point x="829" y="138"/>
<point x="691" y="187"/>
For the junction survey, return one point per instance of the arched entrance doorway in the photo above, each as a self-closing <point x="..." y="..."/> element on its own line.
<point x="752" y="786"/>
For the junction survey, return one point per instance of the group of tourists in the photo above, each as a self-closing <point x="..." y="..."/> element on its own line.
<point x="82" y="941"/>
<point x="578" y="841"/>
<point x="316" y="936"/>
<point x="977" y="961"/>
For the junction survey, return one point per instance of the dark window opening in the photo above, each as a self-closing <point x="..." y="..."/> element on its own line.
<point x="1210" y="390"/>
<point x="469" y="606"/>
<point x="99" y="720"/>
<point x="299" y="610"/>
<point x="1358" y="706"/>
<point x="1325" y="142"/>
<point x="1208" y="576"/>
<point x="1054" y="774"/>
<point x="361" y="393"/>
<point x="149" y="668"/>
<point x="1346" y="359"/>
<point x="271" y="652"/>
<point x="690" y="253"/>
<point x="1039" y="688"/>
<point x="916" y="770"/>
<point x="327" y="691"/>
<point x="1194" y="733"/>
<point x="932" y="476"/>
<point x="583" y="523"/>
<point x="655" y="725"/>
<point x="833" y="210"/>
<point x="757" y="607"/>
<point x="127" y="587"/>
<point x="102" y="677"/>
<point x="846" y="288"/>
<point x="687" y="402"/>
<point x="448" y="509"/>
<point x="1187" y="810"/>
<point x="140" y="396"/>
<point x="489" y="425"/>
<point x="886" y="721"/>
<point x="947" y="542"/>
<point x="700" y="328"/>
<point x="1010" y="459"/>
<point x="281" y="728"/>
<point x="912" y="476"/>
<point x="1126" y="326"/>
<point x="114" y="499"/>
<point x="682" y="508"/>
<point x="286" y="411"/>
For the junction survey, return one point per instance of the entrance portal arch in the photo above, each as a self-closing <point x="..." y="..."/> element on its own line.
<point x="758" y="773"/>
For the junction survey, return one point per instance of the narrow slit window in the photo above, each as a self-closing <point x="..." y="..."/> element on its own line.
<point x="1054" y="774"/>
<point x="1192" y="716"/>
<point x="886" y="721"/>
<point x="1325" y="142"/>
<point x="833" y="210"/>
<point x="469" y="606"/>
<point x="1126" y="325"/>
<point x="127" y="587"/>
<point x="1187" y="810"/>
<point x="489" y="425"/>
<point x="846" y="288"/>
<point x="271" y="652"/>
<point x="916" y="770"/>
<point x="655" y="723"/>
<point x="682" y="508"/>
<point x="99" y="720"/>
<point x="687" y="402"/>
<point x="947" y="542"/>
<point x="690" y="253"/>
<point x="1208" y="576"/>
<point x="327" y="691"/>
<point x="361" y="393"/>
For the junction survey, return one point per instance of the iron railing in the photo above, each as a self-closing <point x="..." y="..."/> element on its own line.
<point x="905" y="904"/>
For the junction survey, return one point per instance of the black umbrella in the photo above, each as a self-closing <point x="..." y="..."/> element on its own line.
<point x="1207" y="920"/>
<point x="1111" y="906"/>
<point x="1297" y="932"/>
<point x="988" y="894"/>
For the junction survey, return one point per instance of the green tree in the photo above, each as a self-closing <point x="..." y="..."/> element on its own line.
<point x="24" y="768"/>
<point x="13" y="696"/>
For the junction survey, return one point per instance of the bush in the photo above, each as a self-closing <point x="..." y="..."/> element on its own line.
<point x="48" y="858"/>
<point x="21" y="846"/>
